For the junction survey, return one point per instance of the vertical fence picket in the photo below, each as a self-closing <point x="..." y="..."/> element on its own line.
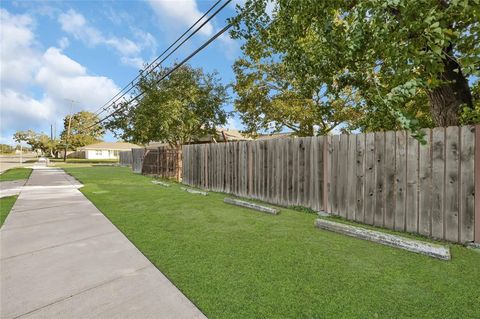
<point x="425" y="185"/>
<point x="330" y="172"/>
<point x="438" y="182"/>
<point x="451" y="184"/>
<point x="360" y="177"/>
<point x="412" y="186"/>
<point x="401" y="175"/>
<point x="369" y="178"/>
<point x="342" y="175"/>
<point x="379" y="179"/>
<point x="467" y="189"/>
<point x="390" y="181"/>
<point x="351" y="177"/>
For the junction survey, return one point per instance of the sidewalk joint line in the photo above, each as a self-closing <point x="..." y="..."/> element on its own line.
<point x="58" y="245"/>
<point x="103" y="283"/>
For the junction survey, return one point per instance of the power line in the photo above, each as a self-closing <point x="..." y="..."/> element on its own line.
<point x="219" y="33"/>
<point x="131" y="83"/>
<point x="130" y="86"/>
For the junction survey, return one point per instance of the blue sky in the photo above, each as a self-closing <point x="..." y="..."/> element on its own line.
<point x="86" y="51"/>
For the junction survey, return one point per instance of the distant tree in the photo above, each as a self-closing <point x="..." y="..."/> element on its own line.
<point x="6" y="149"/>
<point x="81" y="130"/>
<point x="37" y="141"/>
<point x="396" y="57"/>
<point x="183" y="107"/>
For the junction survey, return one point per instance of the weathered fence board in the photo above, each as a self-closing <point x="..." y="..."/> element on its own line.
<point x="401" y="179"/>
<point x="125" y="158"/>
<point x="351" y="177"/>
<point x="166" y="163"/>
<point x="370" y="179"/>
<point x="386" y="179"/>
<point x="467" y="191"/>
<point x="425" y="186"/>
<point x="389" y="217"/>
<point x="438" y="182"/>
<point x="451" y="184"/>
<point x="137" y="159"/>
<point x="412" y="188"/>
<point x="380" y="178"/>
<point x="360" y="177"/>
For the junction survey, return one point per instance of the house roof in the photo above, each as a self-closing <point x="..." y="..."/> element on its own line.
<point x="231" y="135"/>
<point x="274" y="136"/>
<point x="110" y="146"/>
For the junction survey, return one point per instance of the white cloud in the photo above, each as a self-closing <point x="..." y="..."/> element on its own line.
<point x="17" y="54"/>
<point x="20" y="110"/>
<point x="124" y="46"/>
<point x="76" y="25"/>
<point x="54" y="60"/>
<point x="63" y="43"/>
<point x="231" y="47"/>
<point x="180" y="13"/>
<point x="63" y="78"/>
<point x="52" y="72"/>
<point x="135" y="62"/>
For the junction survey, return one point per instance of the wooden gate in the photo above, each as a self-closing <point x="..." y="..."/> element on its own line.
<point x="163" y="162"/>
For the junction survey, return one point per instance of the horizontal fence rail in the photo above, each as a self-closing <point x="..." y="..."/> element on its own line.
<point x="386" y="179"/>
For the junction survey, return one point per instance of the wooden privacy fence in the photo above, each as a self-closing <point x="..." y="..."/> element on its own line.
<point x="137" y="159"/>
<point x="163" y="162"/>
<point x="386" y="179"/>
<point x="125" y="158"/>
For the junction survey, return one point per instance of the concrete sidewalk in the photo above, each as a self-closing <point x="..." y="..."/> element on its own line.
<point x="10" y="188"/>
<point x="62" y="258"/>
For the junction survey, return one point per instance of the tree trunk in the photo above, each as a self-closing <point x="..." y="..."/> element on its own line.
<point x="446" y="99"/>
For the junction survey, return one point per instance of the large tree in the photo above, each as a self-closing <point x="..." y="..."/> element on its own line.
<point x="81" y="129"/>
<point x="176" y="109"/>
<point x="393" y="57"/>
<point x="37" y="141"/>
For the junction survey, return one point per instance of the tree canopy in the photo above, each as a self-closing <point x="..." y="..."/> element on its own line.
<point x="373" y="64"/>
<point x="177" y="109"/>
<point x="37" y="141"/>
<point x="81" y="130"/>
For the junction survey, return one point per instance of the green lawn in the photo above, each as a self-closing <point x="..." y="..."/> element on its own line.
<point x="238" y="263"/>
<point x="15" y="174"/>
<point x="6" y="204"/>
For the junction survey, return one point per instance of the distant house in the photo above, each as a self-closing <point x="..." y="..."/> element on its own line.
<point x="222" y="135"/>
<point x="105" y="150"/>
<point x="274" y="136"/>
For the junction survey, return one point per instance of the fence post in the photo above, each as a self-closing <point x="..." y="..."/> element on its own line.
<point x="325" y="173"/>
<point x="477" y="183"/>
<point x="158" y="161"/>
<point x="250" y="168"/>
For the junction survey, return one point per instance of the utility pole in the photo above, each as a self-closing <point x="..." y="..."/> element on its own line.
<point x="68" y="130"/>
